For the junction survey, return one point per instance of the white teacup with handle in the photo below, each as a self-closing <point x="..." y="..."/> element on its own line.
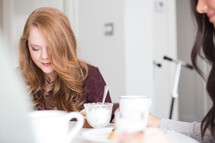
<point x="52" y="126"/>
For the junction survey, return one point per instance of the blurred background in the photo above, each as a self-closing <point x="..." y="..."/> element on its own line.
<point x="126" y="39"/>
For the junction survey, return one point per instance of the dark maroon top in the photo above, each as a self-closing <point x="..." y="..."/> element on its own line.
<point x="94" y="86"/>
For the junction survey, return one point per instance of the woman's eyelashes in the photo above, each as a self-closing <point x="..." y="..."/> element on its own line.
<point x="35" y="49"/>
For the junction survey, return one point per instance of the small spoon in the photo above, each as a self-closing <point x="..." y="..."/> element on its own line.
<point x="106" y="88"/>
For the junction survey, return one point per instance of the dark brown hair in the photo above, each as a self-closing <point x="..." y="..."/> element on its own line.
<point x="204" y="43"/>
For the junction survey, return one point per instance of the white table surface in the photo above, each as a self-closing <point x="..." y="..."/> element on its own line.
<point x="173" y="136"/>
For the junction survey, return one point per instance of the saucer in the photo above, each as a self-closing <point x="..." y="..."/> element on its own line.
<point x="178" y="137"/>
<point x="99" y="135"/>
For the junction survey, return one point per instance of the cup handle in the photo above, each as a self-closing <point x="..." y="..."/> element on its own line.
<point x="80" y="122"/>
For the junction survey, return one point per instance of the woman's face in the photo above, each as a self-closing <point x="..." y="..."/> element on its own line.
<point x="39" y="51"/>
<point x="207" y="7"/>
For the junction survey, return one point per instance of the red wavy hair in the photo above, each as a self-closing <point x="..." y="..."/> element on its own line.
<point x="66" y="93"/>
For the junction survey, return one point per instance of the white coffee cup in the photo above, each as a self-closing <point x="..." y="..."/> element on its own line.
<point x="132" y="104"/>
<point x="129" y="125"/>
<point x="52" y="126"/>
<point x="134" y="111"/>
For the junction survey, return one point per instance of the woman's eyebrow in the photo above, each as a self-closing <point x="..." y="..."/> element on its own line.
<point x="35" y="45"/>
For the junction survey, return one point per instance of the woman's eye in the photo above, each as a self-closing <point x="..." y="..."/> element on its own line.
<point x="35" y="49"/>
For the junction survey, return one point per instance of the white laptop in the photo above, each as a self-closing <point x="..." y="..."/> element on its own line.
<point x="14" y="104"/>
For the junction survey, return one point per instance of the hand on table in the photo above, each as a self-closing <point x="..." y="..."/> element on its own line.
<point x="150" y="135"/>
<point x="153" y="121"/>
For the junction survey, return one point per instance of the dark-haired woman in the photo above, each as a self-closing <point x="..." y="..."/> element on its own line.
<point x="204" y="132"/>
<point x="204" y="13"/>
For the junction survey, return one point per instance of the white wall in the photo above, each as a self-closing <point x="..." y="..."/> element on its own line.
<point x="104" y="51"/>
<point x="124" y="58"/>
<point x="138" y="47"/>
<point x="14" y="17"/>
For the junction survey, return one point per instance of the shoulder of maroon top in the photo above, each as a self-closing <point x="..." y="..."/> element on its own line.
<point x="92" y="68"/>
<point x="94" y="73"/>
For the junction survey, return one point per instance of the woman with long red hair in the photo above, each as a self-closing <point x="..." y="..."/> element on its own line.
<point x="56" y="78"/>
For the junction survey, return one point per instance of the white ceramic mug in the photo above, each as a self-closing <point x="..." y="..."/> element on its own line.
<point x="132" y="104"/>
<point x="134" y="111"/>
<point x="52" y="126"/>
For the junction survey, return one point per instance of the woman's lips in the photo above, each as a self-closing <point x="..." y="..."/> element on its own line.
<point x="46" y="64"/>
<point x="211" y="17"/>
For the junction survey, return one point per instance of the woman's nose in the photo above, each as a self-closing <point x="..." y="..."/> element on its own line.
<point x="201" y="6"/>
<point x="44" y="54"/>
